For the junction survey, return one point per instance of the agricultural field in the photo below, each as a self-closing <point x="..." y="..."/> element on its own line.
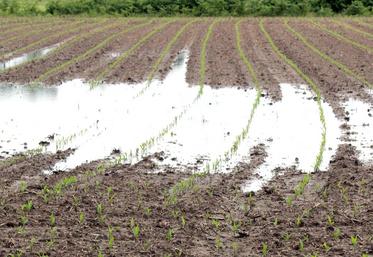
<point x="186" y="136"/>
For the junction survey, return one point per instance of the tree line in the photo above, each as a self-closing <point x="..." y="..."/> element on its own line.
<point x="187" y="7"/>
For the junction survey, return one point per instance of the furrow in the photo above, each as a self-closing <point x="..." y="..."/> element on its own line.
<point x="113" y="65"/>
<point x="310" y="82"/>
<point x="162" y="56"/>
<point x="327" y="58"/>
<point x="341" y="37"/>
<point x="90" y="51"/>
<point x="350" y="27"/>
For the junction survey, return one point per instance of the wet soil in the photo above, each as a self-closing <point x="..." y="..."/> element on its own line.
<point x="139" y="64"/>
<point x="53" y="38"/>
<point x="212" y="218"/>
<point x="356" y="60"/>
<point x="224" y="67"/>
<point x="335" y="86"/>
<point x="40" y="31"/>
<point x="359" y="26"/>
<point x="350" y="34"/>
<point x="31" y="71"/>
<point x="270" y="70"/>
<point x="93" y="64"/>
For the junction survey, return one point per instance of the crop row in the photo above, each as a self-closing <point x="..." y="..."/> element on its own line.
<point x="76" y="39"/>
<point x="326" y="57"/>
<point x="341" y="37"/>
<point x="37" y="30"/>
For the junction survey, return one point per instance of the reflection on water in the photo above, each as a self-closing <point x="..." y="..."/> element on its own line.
<point x="291" y="131"/>
<point x="26" y="58"/>
<point x="98" y="120"/>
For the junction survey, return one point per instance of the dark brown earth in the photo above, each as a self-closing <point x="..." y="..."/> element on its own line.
<point x="348" y="33"/>
<point x="335" y="85"/>
<point x="357" y="60"/>
<point x="33" y="33"/>
<point x="211" y="217"/>
<point x="73" y="30"/>
<point x="270" y="70"/>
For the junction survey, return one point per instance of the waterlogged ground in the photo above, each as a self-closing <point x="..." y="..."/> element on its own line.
<point x="168" y="153"/>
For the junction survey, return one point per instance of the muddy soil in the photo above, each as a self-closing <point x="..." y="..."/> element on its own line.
<point x="347" y="33"/>
<point x="359" y="26"/>
<point x="212" y="218"/>
<point x="41" y="31"/>
<point x="31" y="71"/>
<point x="53" y="38"/>
<point x="355" y="59"/>
<point x="335" y="85"/>
<point x="96" y="62"/>
<point x="139" y="64"/>
<point x="270" y="70"/>
<point x="224" y="67"/>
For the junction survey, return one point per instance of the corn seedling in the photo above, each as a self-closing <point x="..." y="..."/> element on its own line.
<point x="326" y="57"/>
<point x="218" y="243"/>
<point x="136" y="231"/>
<point x="216" y="224"/>
<point x="52" y="220"/>
<point x="310" y="82"/>
<point x="183" y="220"/>
<point x="301" y="245"/>
<point x="111" y="238"/>
<point x="235" y="226"/>
<point x="27" y="207"/>
<point x="326" y="247"/>
<point x="337" y="233"/>
<point x="81" y="217"/>
<point x="264" y="249"/>
<point x="354" y="240"/>
<point x="100" y="212"/>
<point x="330" y="220"/>
<point x="341" y="37"/>
<point x="22" y="186"/>
<point x="170" y="234"/>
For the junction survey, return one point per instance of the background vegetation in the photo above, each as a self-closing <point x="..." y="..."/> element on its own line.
<point x="187" y="7"/>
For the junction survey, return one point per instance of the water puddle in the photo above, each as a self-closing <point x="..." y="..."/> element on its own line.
<point x="361" y="128"/>
<point x="291" y="131"/>
<point x="26" y="57"/>
<point x="108" y="119"/>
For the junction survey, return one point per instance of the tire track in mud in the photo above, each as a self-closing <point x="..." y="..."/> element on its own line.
<point x="325" y="56"/>
<point x="112" y="66"/>
<point x="341" y="37"/>
<point x="310" y="82"/>
<point x="56" y="38"/>
<point x="31" y="69"/>
<point x="87" y="53"/>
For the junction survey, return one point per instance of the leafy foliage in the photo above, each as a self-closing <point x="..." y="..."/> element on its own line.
<point x="187" y="7"/>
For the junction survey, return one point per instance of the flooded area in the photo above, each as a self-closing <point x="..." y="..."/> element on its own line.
<point x="360" y="120"/>
<point x="107" y="121"/>
<point x="26" y="57"/>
